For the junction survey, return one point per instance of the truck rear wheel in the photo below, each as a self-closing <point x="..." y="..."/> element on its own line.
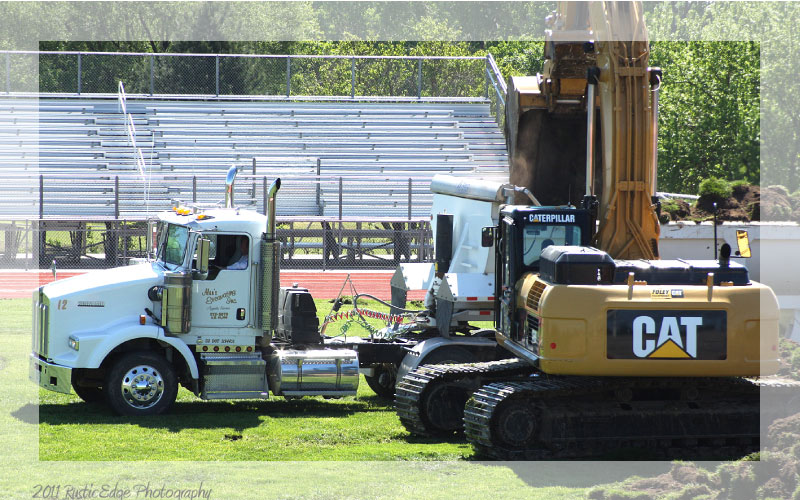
<point x="383" y="381"/>
<point x="141" y="383"/>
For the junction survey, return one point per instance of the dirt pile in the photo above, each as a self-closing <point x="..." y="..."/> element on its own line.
<point x="772" y="474"/>
<point x="789" y="359"/>
<point x="743" y="205"/>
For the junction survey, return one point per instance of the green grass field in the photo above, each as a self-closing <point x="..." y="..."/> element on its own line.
<point x="364" y="427"/>
<point x="310" y="448"/>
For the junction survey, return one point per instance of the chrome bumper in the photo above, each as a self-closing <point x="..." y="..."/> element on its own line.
<point x="52" y="377"/>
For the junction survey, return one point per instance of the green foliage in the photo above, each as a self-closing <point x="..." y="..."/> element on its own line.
<point x="739" y="182"/>
<point x="670" y="206"/>
<point x="709" y="112"/>
<point x="795" y="361"/>
<point x="715" y="188"/>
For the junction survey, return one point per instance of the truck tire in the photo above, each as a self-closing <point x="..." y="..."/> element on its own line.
<point x="141" y="383"/>
<point x="383" y="382"/>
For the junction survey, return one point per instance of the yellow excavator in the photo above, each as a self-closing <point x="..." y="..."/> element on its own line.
<point x="611" y="346"/>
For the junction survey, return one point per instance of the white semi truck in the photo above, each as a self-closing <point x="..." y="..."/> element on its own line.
<point x="208" y="313"/>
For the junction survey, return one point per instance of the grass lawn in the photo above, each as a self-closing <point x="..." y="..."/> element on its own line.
<point x="364" y="427"/>
<point x="310" y="448"/>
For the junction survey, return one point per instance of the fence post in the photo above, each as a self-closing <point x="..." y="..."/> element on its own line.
<point x="79" y="73"/>
<point x="152" y="75"/>
<point x="353" y="78"/>
<point x="255" y="181"/>
<point x="288" y="76"/>
<point x="194" y="189"/>
<point x="419" y="78"/>
<point x="41" y="196"/>
<point x="486" y="75"/>
<point x="264" y="182"/>
<point x="409" y="198"/>
<point x="216" y="69"/>
<point x="340" y="200"/>
<point x="116" y="197"/>
<point x="8" y="73"/>
<point x="319" y="187"/>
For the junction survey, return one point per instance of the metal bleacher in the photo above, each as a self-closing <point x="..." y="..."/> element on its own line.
<point x="71" y="157"/>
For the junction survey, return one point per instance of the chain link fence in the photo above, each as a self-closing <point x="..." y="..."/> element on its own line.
<point x="324" y="222"/>
<point x="246" y="75"/>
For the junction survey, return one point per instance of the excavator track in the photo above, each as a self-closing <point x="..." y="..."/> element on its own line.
<point x="430" y="399"/>
<point x="561" y="417"/>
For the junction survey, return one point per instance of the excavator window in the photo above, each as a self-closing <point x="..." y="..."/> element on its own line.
<point x="535" y="238"/>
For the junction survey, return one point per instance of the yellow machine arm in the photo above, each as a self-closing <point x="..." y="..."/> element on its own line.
<point x="551" y="135"/>
<point x="629" y="227"/>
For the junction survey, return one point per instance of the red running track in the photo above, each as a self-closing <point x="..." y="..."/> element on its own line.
<point x="321" y="284"/>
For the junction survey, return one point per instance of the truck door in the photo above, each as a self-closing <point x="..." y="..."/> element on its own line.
<point x="223" y="299"/>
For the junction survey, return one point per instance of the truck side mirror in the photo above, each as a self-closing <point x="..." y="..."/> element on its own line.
<point x="743" y="242"/>
<point x="487" y="236"/>
<point x="203" y="251"/>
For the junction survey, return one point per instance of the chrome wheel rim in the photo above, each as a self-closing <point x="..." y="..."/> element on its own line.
<point x="142" y="387"/>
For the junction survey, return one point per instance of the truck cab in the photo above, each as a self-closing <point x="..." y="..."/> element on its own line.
<point x="207" y="312"/>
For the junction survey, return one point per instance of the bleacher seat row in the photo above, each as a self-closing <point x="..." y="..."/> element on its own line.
<point x="88" y="168"/>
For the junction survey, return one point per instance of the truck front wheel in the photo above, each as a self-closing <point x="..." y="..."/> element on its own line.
<point x="141" y="383"/>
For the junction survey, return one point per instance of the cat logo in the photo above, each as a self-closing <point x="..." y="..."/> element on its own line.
<point x="673" y="341"/>
<point x="666" y="293"/>
<point x="666" y="334"/>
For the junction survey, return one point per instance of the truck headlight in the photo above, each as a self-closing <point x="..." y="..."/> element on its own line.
<point x="74" y="343"/>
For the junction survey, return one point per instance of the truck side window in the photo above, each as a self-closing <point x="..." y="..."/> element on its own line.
<point x="241" y="256"/>
<point x="228" y="252"/>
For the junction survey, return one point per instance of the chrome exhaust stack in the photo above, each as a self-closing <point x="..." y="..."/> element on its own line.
<point x="230" y="178"/>
<point x="270" y="271"/>
<point x="271" y="209"/>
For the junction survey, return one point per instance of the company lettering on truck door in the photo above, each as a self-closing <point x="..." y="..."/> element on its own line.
<point x="666" y="334"/>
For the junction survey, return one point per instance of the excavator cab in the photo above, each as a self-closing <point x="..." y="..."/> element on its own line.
<point x="523" y="234"/>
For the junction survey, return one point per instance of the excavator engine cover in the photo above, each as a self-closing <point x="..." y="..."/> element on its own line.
<point x="571" y="265"/>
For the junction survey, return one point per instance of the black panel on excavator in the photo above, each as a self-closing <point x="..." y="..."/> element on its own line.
<point x="574" y="265"/>
<point x="680" y="272"/>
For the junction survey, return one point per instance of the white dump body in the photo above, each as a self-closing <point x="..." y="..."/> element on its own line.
<point x="474" y="204"/>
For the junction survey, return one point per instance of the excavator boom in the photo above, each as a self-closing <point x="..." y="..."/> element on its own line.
<point x="547" y="124"/>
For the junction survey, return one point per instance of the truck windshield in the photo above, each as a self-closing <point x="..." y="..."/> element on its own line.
<point x="535" y="238"/>
<point x="172" y="241"/>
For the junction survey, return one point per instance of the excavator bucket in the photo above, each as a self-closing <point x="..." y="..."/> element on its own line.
<point x="547" y="149"/>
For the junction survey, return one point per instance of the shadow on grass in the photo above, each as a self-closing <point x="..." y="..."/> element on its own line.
<point x="239" y="415"/>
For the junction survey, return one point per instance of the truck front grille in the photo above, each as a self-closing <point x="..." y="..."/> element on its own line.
<point x="41" y="324"/>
